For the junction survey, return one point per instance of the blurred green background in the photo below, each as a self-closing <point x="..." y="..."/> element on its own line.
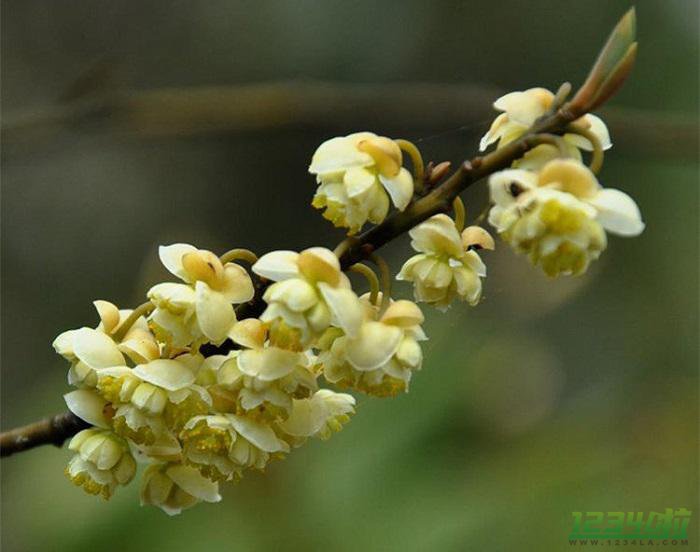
<point x="550" y="397"/>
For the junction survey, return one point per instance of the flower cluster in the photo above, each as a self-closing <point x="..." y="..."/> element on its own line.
<point x="448" y="265"/>
<point x="143" y="381"/>
<point x="552" y="208"/>
<point x="152" y="396"/>
<point x="355" y="173"/>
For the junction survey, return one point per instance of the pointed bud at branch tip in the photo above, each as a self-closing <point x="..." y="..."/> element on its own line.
<point x="612" y="67"/>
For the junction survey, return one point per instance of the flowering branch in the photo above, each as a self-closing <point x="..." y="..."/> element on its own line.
<point x="204" y="391"/>
<point x="350" y="251"/>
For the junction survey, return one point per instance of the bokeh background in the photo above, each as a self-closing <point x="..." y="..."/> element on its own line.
<point x="130" y="124"/>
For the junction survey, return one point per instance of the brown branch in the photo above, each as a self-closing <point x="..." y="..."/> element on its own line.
<point x="49" y="431"/>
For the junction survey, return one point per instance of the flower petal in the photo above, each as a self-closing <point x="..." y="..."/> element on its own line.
<point x="525" y="107"/>
<point x="503" y="184"/>
<point x="176" y="298"/>
<point x="374" y="345"/>
<point x="140" y="350"/>
<point x="597" y="127"/>
<point x="318" y="264"/>
<point x="569" y="176"/>
<point x="358" y="181"/>
<point x="493" y="134"/>
<point x="340" y="153"/>
<point x="87" y="405"/>
<point x="63" y="344"/>
<point x="168" y="374"/>
<point x="215" y="315"/>
<point x="437" y="235"/>
<point x="268" y="364"/>
<point x="194" y="483"/>
<point x="306" y="418"/>
<point x="277" y="265"/>
<point x="96" y="349"/>
<point x="238" y="287"/>
<point x="400" y="188"/>
<point x="249" y="333"/>
<point x="295" y="294"/>
<point x="109" y="315"/>
<point x="345" y="307"/>
<point x="261" y="435"/>
<point x="171" y="257"/>
<point x="617" y="212"/>
<point x="403" y="313"/>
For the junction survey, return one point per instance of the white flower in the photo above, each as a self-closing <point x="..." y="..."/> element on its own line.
<point x="259" y="382"/>
<point x="102" y="462"/>
<point x="447" y="265"/>
<point x="264" y="379"/>
<point x="222" y="446"/>
<point x="310" y="294"/>
<point x="521" y="110"/>
<point x="381" y="358"/>
<point x="155" y="399"/>
<point x="354" y="171"/>
<point x="88" y="349"/>
<point x="201" y="309"/>
<point x="176" y="487"/>
<point x="558" y="216"/>
<point x="318" y="416"/>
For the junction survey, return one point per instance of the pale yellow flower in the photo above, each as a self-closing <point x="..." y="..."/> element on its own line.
<point x="176" y="487"/>
<point x="88" y="349"/>
<point x="381" y="358"/>
<point x="102" y="462"/>
<point x="311" y="293"/>
<point x="263" y="380"/>
<point x="201" y="309"/>
<point x="153" y="401"/>
<point x="318" y="416"/>
<point x="558" y="216"/>
<point x="355" y="173"/>
<point x="447" y="266"/>
<point x="520" y="110"/>
<point x="222" y="446"/>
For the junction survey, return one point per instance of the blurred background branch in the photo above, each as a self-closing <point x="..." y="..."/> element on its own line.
<point x="202" y="110"/>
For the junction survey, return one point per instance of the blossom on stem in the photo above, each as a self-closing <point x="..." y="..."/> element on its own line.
<point x="355" y="174"/>
<point x="520" y="110"/>
<point x="102" y="462"/>
<point x="222" y="446"/>
<point x="88" y="349"/>
<point x="310" y="294"/>
<point x="558" y="216"/>
<point x="447" y="266"/>
<point x="175" y="487"/>
<point x="201" y="309"/>
<point x="264" y="379"/>
<point x="318" y="416"/>
<point x="381" y="358"/>
<point x="153" y="401"/>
